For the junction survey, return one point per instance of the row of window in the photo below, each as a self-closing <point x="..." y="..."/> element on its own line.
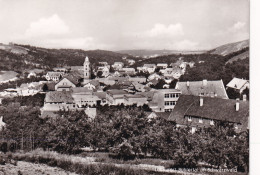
<point x="173" y="95"/>
<point x="170" y="103"/>
<point x="200" y="120"/>
<point x="168" y="110"/>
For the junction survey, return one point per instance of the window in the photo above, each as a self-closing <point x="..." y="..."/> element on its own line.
<point x="167" y="103"/>
<point x="200" y="120"/>
<point x="177" y="95"/>
<point x="211" y="122"/>
<point x="189" y="118"/>
<point x="166" y="95"/>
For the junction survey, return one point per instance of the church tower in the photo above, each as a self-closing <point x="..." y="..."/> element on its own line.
<point x="86" y="69"/>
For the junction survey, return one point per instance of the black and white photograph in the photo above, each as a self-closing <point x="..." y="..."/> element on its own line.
<point x="124" y="87"/>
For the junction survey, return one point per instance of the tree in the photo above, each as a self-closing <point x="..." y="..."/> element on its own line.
<point x="160" y="84"/>
<point x="173" y="83"/>
<point x="45" y="88"/>
<point x="100" y="74"/>
<point x="232" y="93"/>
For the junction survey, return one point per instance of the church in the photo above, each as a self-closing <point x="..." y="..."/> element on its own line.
<point x="87" y="72"/>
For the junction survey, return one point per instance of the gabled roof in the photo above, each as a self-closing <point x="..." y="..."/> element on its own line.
<point x="81" y="90"/>
<point x="117" y="92"/>
<point x="149" y="65"/>
<point x="101" y="95"/>
<point x="237" y="83"/>
<point x="72" y="78"/>
<point x="164" y="115"/>
<point x="215" y="88"/>
<point x="59" y="97"/>
<point x="94" y="83"/>
<point x="55" y="74"/>
<point x="213" y="108"/>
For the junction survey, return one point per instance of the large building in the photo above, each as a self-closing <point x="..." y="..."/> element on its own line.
<point x="164" y="100"/>
<point x="116" y="97"/>
<point x="199" y="111"/>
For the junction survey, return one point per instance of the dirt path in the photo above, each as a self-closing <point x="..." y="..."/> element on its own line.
<point x="27" y="168"/>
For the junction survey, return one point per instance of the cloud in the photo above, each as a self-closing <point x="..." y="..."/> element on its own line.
<point x="51" y="26"/>
<point x="161" y="30"/>
<point x="237" y="26"/>
<point x="53" y="32"/>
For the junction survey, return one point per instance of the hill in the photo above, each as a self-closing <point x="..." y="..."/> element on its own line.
<point x="241" y="56"/>
<point x="156" y="53"/>
<point x="37" y="57"/>
<point x="230" y="48"/>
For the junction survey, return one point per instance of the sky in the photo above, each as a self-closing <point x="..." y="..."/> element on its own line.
<point x="124" y="24"/>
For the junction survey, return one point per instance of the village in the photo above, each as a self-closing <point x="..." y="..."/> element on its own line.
<point x="190" y="103"/>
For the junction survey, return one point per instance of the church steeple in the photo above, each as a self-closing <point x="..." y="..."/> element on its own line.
<point x="86" y="68"/>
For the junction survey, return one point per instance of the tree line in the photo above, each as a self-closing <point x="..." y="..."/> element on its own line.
<point x="125" y="132"/>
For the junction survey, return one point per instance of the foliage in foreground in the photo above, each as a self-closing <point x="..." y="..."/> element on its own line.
<point x="76" y="164"/>
<point x="126" y="133"/>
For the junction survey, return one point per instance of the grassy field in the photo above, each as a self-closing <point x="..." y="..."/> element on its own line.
<point x="7" y="75"/>
<point x="102" y="164"/>
<point x="82" y="165"/>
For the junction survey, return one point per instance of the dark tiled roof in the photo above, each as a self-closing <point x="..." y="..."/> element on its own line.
<point x="94" y="83"/>
<point x="59" y="97"/>
<point x="164" y="115"/>
<point x="116" y="92"/>
<point x="197" y="87"/>
<point x="101" y="95"/>
<point x="213" y="108"/>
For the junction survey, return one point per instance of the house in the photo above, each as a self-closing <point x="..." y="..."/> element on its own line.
<point x="84" y="97"/>
<point x="138" y="99"/>
<point x="118" y="65"/>
<point x="115" y="97"/>
<point x="191" y="64"/>
<point x="93" y="85"/>
<point x="137" y="79"/>
<point x="214" y="88"/>
<point x="103" y="63"/>
<point x="54" y="76"/>
<point x="150" y="68"/>
<point x="58" y="100"/>
<point x="162" y="65"/>
<point x="64" y="85"/>
<point x="27" y="89"/>
<point x="140" y="87"/>
<point x="201" y="111"/>
<point x="104" y="70"/>
<point x="128" y="71"/>
<point x="102" y="98"/>
<point x="31" y="74"/>
<point x="131" y="62"/>
<point x="60" y="69"/>
<point x="238" y="84"/>
<point x="106" y="81"/>
<point x="164" y="100"/>
<point x="173" y="72"/>
<point x="154" y="76"/>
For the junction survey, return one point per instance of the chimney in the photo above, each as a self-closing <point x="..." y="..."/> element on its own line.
<point x="201" y="101"/>
<point x="244" y="97"/>
<point x="204" y="82"/>
<point x="237" y="104"/>
<point x="188" y="84"/>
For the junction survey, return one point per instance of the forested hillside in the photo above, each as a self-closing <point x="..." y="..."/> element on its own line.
<point x="49" y="58"/>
